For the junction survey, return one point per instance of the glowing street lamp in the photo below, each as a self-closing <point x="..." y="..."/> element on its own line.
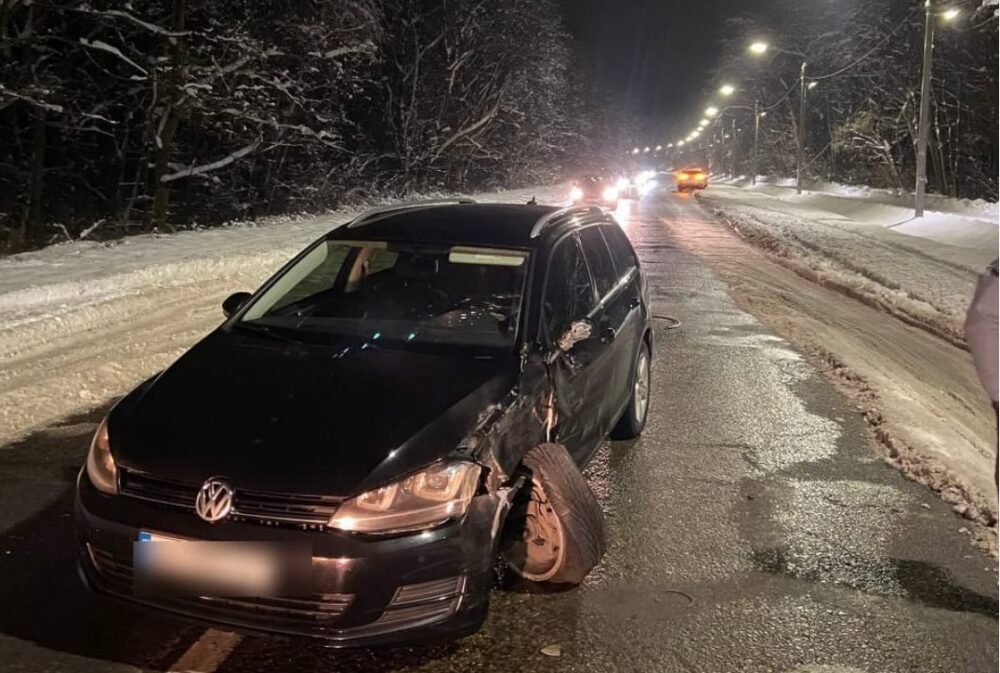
<point x="759" y="48"/>
<point x="727" y="89"/>
<point x="950" y="14"/>
<point x="680" y="143"/>
<point x="711" y="111"/>
<point x="703" y="123"/>
<point x="670" y="144"/>
<point x="659" y="148"/>
<point x="646" y="150"/>
<point x="635" y="150"/>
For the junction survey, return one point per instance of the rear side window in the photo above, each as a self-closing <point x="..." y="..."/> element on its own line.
<point x="621" y="249"/>
<point x="569" y="293"/>
<point x="599" y="258"/>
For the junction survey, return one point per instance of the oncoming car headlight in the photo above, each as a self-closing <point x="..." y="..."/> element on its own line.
<point x="610" y="193"/>
<point x="575" y="194"/>
<point x="427" y="498"/>
<point x="101" y="467"/>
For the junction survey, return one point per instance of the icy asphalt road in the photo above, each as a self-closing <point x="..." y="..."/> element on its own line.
<point x="751" y="529"/>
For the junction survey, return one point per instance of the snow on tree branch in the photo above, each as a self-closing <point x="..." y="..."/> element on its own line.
<point x="152" y="27"/>
<point x="104" y="46"/>
<point x="215" y="165"/>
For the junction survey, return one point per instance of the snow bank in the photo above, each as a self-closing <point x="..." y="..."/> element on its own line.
<point x="921" y="270"/>
<point x="919" y="394"/>
<point x="84" y="321"/>
<point x="780" y="187"/>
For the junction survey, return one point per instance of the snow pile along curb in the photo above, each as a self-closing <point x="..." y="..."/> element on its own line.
<point x="922" y="291"/>
<point x="83" y="322"/>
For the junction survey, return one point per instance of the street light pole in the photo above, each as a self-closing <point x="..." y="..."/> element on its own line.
<point x="802" y="127"/>
<point x="722" y="145"/>
<point x="732" y="150"/>
<point x="756" y="135"/>
<point x="920" y="196"/>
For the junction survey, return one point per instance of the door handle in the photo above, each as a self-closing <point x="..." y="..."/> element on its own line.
<point x="608" y="334"/>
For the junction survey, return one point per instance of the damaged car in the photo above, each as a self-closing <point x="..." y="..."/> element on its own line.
<point x="408" y="400"/>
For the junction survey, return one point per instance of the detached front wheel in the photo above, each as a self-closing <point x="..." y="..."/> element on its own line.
<point x="555" y="530"/>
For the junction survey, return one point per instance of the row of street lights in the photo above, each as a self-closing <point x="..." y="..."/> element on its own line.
<point x="759" y="48"/>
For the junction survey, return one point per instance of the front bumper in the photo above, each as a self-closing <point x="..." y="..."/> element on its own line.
<point x="427" y="586"/>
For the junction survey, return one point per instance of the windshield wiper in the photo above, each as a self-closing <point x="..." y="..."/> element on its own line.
<point x="264" y="330"/>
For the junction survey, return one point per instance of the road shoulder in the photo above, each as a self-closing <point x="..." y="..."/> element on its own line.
<point x="918" y="393"/>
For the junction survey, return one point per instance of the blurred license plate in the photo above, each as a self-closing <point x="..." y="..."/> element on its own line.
<point x="165" y="564"/>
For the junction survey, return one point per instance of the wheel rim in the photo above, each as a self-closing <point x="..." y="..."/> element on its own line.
<point x="536" y="555"/>
<point x="641" y="392"/>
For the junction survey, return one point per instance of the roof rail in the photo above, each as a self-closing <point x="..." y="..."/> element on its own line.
<point x="368" y="215"/>
<point x="549" y="218"/>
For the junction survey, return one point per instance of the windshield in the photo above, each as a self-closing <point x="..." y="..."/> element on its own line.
<point x="397" y="293"/>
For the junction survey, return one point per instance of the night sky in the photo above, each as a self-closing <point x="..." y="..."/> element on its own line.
<point x="658" y="55"/>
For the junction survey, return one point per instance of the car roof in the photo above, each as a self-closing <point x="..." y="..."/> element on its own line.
<point x="479" y="224"/>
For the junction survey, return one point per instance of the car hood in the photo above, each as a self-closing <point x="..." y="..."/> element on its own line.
<point x="300" y="418"/>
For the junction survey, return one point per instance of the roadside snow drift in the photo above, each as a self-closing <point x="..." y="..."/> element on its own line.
<point x="84" y="322"/>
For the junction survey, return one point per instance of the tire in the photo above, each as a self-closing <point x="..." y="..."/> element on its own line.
<point x="557" y="505"/>
<point x="633" y="419"/>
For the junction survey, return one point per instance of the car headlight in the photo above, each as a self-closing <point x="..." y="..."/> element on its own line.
<point x="622" y="184"/>
<point x="610" y="193"/>
<point x="575" y="194"/>
<point x="100" y="464"/>
<point x="425" y="499"/>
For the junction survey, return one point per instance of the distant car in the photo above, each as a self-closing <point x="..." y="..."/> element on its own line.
<point x="691" y="178"/>
<point x="595" y="190"/>
<point x="346" y="456"/>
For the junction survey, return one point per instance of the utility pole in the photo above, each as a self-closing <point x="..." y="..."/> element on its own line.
<point x="732" y="150"/>
<point x="802" y="127"/>
<point x="722" y="145"/>
<point x="920" y="197"/>
<point x="756" y="135"/>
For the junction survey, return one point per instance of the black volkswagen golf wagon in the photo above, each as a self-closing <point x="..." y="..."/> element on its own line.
<point x="350" y="452"/>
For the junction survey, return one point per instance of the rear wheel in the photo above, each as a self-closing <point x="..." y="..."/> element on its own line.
<point x="633" y="419"/>
<point x="555" y="531"/>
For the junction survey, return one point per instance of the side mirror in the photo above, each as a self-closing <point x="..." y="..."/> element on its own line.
<point x="578" y="330"/>
<point x="234" y="303"/>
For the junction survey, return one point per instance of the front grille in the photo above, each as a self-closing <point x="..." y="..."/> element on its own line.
<point x="320" y="608"/>
<point x="155" y="489"/>
<point x="308" y="509"/>
<point x="261" y="506"/>
<point x="316" y="608"/>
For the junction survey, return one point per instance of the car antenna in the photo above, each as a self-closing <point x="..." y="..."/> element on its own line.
<point x="533" y="201"/>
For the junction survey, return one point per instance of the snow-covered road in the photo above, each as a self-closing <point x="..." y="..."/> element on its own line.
<point x="84" y="322"/>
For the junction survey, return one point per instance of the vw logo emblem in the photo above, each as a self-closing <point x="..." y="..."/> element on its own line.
<point x="215" y="500"/>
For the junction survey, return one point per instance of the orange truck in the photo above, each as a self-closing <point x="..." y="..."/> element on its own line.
<point x="691" y="178"/>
